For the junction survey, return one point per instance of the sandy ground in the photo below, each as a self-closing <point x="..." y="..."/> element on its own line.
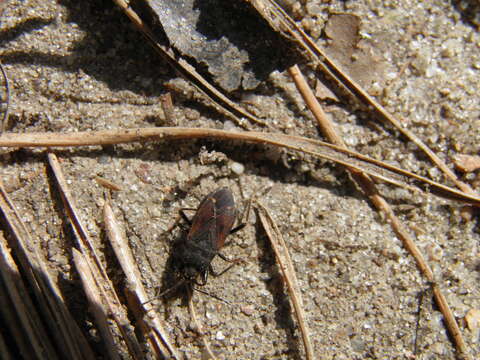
<point x="79" y="65"/>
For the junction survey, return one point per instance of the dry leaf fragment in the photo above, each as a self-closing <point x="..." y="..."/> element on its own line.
<point x="322" y="92"/>
<point x="357" y="56"/>
<point x="237" y="47"/>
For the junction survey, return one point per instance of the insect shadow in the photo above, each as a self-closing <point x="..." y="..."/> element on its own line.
<point x="192" y="253"/>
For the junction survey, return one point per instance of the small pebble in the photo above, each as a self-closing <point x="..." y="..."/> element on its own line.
<point x="357" y="343"/>
<point x="247" y="310"/>
<point x="467" y="213"/>
<point x="220" y="336"/>
<point x="438" y="348"/>
<point x="237" y="168"/>
<point x="191" y="114"/>
<point x="435" y="252"/>
<point x="472" y="318"/>
<point x="229" y="126"/>
<point x="467" y="163"/>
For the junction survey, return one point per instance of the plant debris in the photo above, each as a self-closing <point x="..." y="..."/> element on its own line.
<point x="355" y="54"/>
<point x="227" y="38"/>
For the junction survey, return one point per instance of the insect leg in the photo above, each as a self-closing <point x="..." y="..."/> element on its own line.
<point x="215" y="274"/>
<point x="224" y="258"/>
<point x="237" y="228"/>
<point x="184" y="217"/>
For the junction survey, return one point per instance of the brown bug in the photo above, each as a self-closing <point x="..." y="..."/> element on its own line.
<point x="211" y="224"/>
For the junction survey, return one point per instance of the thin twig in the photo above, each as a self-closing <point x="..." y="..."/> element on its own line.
<point x="369" y="188"/>
<point x="288" y="271"/>
<point x="338" y="154"/>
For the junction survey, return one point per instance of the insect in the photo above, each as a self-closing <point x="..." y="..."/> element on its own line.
<point x="211" y="224"/>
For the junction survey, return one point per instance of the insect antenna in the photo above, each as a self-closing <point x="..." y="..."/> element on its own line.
<point x="163" y="293"/>
<point x="180" y="283"/>
<point x="211" y="295"/>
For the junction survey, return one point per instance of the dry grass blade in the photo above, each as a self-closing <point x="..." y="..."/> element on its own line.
<point x="87" y="248"/>
<point x="97" y="307"/>
<point x="338" y="154"/>
<point x="189" y="73"/>
<point x="28" y="320"/>
<point x="283" y="258"/>
<point x="281" y="22"/>
<point x="208" y="351"/>
<point x="72" y="212"/>
<point x="134" y="279"/>
<point x="68" y="338"/>
<point x="369" y="188"/>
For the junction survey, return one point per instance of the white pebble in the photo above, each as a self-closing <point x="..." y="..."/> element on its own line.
<point x="237" y="168"/>
<point x="229" y="126"/>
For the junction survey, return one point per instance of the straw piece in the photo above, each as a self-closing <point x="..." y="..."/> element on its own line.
<point x="68" y="338"/>
<point x="167" y="106"/>
<point x="286" y="266"/>
<point x="370" y="189"/>
<point x="85" y="243"/>
<point x="134" y="279"/>
<point x="378" y="169"/>
<point x="286" y="25"/>
<point x="94" y="297"/>
<point x="22" y="321"/>
<point x="108" y="184"/>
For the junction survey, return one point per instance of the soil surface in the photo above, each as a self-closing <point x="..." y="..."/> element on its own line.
<point x="80" y="65"/>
